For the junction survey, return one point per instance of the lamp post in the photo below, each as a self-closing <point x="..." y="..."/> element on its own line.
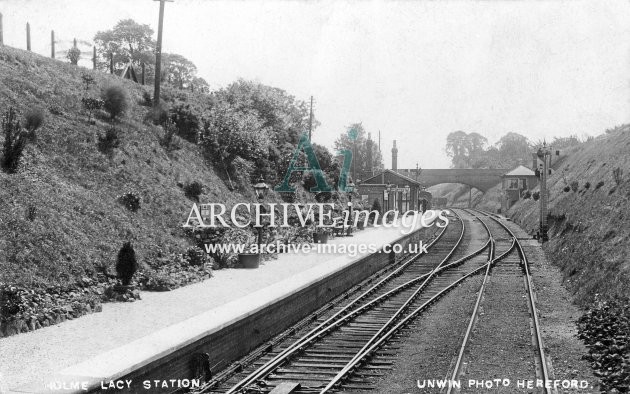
<point x="350" y="188"/>
<point x="261" y="189"/>
<point x="407" y="199"/>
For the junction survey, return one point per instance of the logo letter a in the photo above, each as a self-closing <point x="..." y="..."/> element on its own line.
<point x="318" y="174"/>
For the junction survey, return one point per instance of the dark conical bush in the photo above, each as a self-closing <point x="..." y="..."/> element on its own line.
<point x="127" y="265"/>
<point x="376" y="206"/>
<point x="115" y="100"/>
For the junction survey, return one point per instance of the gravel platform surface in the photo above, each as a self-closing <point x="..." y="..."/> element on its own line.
<point x="32" y="356"/>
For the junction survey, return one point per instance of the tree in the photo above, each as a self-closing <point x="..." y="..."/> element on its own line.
<point x="282" y="117"/>
<point x="514" y="149"/>
<point x="178" y="70"/>
<point x="458" y="148"/>
<point x="200" y="85"/>
<point x="359" y="147"/>
<point x="127" y="41"/>
<point x="229" y="134"/>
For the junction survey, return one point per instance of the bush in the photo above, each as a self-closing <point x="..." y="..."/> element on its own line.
<point x="193" y="190"/>
<point x="574" y="186"/>
<point x="74" y="54"/>
<point x="527" y="194"/>
<point x="88" y="80"/>
<point x="126" y="265"/>
<point x="587" y="185"/>
<point x="115" y="100"/>
<point x="130" y="200"/>
<point x="599" y="184"/>
<point x="91" y="105"/>
<point x="196" y="256"/>
<point x="158" y="115"/>
<point x="536" y="196"/>
<point x="147" y="100"/>
<point x="567" y="189"/>
<point x="14" y="142"/>
<point x="376" y="206"/>
<point x="186" y="122"/>
<point x="33" y="120"/>
<point x="107" y="143"/>
<point x="170" y="141"/>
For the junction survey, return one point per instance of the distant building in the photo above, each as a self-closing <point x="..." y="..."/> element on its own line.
<point x="515" y="183"/>
<point x="393" y="191"/>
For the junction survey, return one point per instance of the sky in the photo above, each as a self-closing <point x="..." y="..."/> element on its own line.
<point x="413" y="70"/>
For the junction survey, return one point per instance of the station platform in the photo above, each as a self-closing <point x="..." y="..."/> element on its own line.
<point x="102" y="347"/>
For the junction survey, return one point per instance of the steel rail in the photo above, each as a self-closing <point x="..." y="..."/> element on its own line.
<point x="536" y="324"/>
<point x="348" y="368"/>
<point x="412" y="298"/>
<point x="366" y="349"/>
<point x="335" y="320"/>
<point x="460" y="357"/>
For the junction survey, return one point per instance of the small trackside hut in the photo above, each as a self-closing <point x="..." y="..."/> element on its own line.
<point x="515" y="183"/>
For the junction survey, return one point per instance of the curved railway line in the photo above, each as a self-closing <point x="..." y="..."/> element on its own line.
<point x="348" y="345"/>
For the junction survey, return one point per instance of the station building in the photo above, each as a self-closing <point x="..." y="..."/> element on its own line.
<point x="392" y="190"/>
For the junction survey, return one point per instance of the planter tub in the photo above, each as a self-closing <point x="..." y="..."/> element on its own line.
<point x="249" y="260"/>
<point x="320" y="238"/>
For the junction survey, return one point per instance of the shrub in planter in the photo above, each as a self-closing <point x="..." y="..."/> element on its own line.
<point x="115" y="100"/>
<point x="527" y="194"/>
<point x="126" y="264"/>
<point x="536" y="196"/>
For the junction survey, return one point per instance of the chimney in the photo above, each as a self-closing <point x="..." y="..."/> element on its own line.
<point x="395" y="157"/>
<point x="368" y="146"/>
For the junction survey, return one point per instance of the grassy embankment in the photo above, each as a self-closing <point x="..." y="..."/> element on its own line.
<point x="589" y="219"/>
<point x="59" y="215"/>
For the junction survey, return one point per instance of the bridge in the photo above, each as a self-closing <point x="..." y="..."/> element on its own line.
<point x="481" y="179"/>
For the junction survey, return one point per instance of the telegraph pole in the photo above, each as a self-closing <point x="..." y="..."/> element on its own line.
<point x="158" y="55"/>
<point x="310" y="121"/>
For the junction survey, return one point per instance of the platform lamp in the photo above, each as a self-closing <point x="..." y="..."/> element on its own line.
<point x="261" y="189"/>
<point x="350" y="189"/>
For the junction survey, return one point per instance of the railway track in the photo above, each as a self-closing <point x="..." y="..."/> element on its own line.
<point x="350" y="344"/>
<point x="496" y="294"/>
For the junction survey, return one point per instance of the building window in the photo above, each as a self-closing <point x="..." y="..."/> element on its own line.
<point x="512" y="183"/>
<point x="523" y="183"/>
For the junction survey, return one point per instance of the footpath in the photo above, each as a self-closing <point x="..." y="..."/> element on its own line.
<point x="31" y="357"/>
